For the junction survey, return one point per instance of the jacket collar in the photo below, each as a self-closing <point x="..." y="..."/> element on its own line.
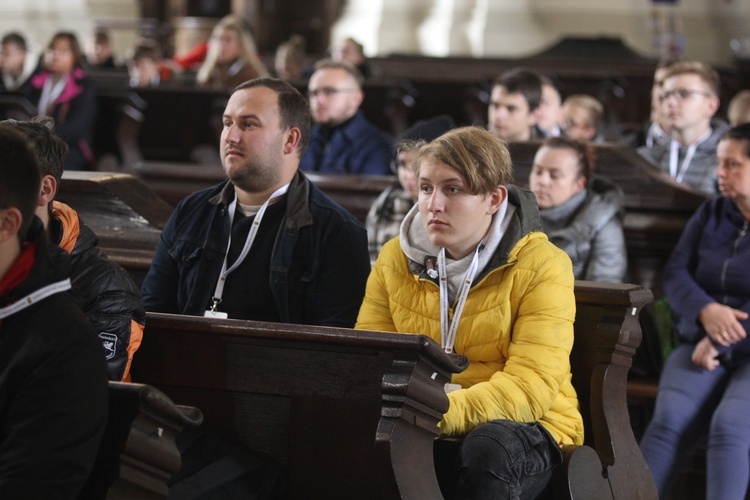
<point x="72" y="86"/>
<point x="297" y="210"/>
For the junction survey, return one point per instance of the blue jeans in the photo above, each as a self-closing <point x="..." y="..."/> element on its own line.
<point x="691" y="401"/>
<point x="501" y="459"/>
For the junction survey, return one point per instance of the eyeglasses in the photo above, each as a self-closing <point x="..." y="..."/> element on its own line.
<point x="682" y="94"/>
<point x="328" y="92"/>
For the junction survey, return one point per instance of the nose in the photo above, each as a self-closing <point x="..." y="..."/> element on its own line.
<point x="231" y="134"/>
<point x="435" y="202"/>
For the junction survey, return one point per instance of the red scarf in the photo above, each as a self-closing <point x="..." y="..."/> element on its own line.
<point x="20" y="269"/>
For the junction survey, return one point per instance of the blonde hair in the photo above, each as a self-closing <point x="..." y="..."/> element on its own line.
<point x="704" y="71"/>
<point x="594" y="109"/>
<point x="482" y="159"/>
<point x="248" y="50"/>
<point x="738" y="111"/>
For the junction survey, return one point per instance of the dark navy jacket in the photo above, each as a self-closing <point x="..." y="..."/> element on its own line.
<point x="319" y="266"/>
<point x="354" y="147"/>
<point x="711" y="263"/>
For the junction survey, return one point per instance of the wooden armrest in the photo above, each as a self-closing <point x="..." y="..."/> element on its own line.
<point x="138" y="455"/>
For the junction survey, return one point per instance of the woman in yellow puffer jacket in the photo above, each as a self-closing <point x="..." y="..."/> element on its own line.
<point x="473" y="270"/>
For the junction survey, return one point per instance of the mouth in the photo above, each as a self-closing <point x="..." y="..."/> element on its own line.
<point x="232" y="152"/>
<point x="436" y="223"/>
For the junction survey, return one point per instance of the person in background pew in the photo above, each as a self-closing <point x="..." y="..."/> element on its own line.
<point x="98" y="51"/>
<point x="306" y="263"/>
<point x="583" y="117"/>
<point x="18" y="62"/>
<point x="232" y="57"/>
<point x="550" y="111"/>
<point x="290" y="61"/>
<point x="343" y="141"/>
<point x="146" y="67"/>
<point x="705" y="382"/>
<point x="657" y="130"/>
<point x="53" y="383"/>
<point x="389" y="209"/>
<point x="473" y="270"/>
<point x="110" y="297"/>
<point x="690" y="99"/>
<point x="738" y="110"/>
<point x="580" y="213"/>
<point x="65" y="93"/>
<point x="351" y="51"/>
<point x="514" y="105"/>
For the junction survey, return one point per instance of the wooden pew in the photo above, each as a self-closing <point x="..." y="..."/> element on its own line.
<point x="352" y="414"/>
<point x="138" y="454"/>
<point x="123" y="212"/>
<point x="656" y="207"/>
<point x="183" y="123"/>
<point x="174" y="181"/>
<point x="349" y="414"/>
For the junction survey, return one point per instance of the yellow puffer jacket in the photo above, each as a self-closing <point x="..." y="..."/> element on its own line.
<point x="516" y="330"/>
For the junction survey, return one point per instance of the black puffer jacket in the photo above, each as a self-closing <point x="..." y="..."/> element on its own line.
<point x="111" y="299"/>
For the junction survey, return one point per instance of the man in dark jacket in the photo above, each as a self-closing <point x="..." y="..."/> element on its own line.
<point x="307" y="262"/>
<point x="342" y="140"/>
<point x="53" y="383"/>
<point x="111" y="299"/>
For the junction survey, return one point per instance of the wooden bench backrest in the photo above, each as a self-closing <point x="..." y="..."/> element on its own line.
<point x="125" y="214"/>
<point x="366" y="404"/>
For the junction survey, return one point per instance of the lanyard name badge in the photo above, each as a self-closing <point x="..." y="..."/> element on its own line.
<point x="216" y="299"/>
<point x="448" y="328"/>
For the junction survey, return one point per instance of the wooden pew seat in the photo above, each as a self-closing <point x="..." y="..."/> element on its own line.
<point x="354" y="413"/>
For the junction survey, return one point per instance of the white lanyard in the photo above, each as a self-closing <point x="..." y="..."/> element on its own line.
<point x="41" y="294"/>
<point x="448" y="332"/>
<point x="674" y="154"/>
<point x="245" y="249"/>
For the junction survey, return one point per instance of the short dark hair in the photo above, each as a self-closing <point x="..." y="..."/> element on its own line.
<point x="294" y="110"/>
<point x="49" y="149"/>
<point x="14" y="38"/>
<point x="19" y="176"/>
<point x="522" y="81"/>
<point x="740" y="133"/>
<point x="584" y="153"/>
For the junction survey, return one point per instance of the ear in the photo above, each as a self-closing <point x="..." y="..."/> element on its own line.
<point x="293" y="136"/>
<point x="580" y="183"/>
<point x="535" y="116"/>
<point x="10" y="223"/>
<point x="358" y="98"/>
<point x="713" y="105"/>
<point x="497" y="197"/>
<point x="48" y="191"/>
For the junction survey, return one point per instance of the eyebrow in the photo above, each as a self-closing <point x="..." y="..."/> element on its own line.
<point x="444" y="181"/>
<point x="241" y="117"/>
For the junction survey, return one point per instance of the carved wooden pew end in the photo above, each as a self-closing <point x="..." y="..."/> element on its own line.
<point x="138" y="455"/>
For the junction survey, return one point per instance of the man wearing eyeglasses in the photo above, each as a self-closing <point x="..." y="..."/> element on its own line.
<point x="689" y="99"/>
<point x="342" y="140"/>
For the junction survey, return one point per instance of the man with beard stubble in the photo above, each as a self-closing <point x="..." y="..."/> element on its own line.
<point x="307" y="262"/>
